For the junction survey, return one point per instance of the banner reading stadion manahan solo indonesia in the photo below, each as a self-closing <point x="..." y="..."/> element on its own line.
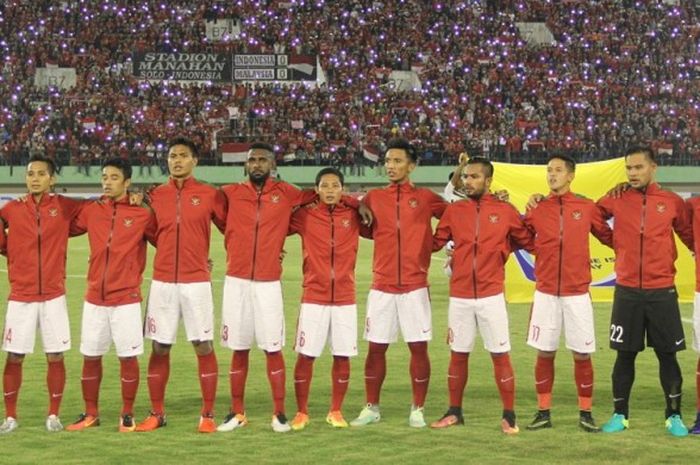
<point x="215" y="67"/>
<point x="224" y="68"/>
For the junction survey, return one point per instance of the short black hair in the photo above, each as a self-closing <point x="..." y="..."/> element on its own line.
<point x="187" y="142"/>
<point x="120" y="164"/>
<point x="568" y="161"/>
<point x="50" y="164"/>
<point x="403" y="144"/>
<point x="330" y="170"/>
<point x="644" y="150"/>
<point x="487" y="165"/>
<point x="262" y="146"/>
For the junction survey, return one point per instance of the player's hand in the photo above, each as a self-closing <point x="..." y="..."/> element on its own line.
<point x="283" y="254"/>
<point x="533" y="201"/>
<point x="502" y="195"/>
<point x="210" y="264"/>
<point x="366" y="214"/>
<point x="617" y="191"/>
<point x="450" y="249"/>
<point x="136" y="196"/>
<point x="24" y="198"/>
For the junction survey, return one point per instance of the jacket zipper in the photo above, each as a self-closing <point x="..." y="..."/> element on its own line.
<point x="38" y="236"/>
<point x="561" y="243"/>
<point x="255" y="237"/>
<point x="641" y="237"/>
<point x="177" y="235"/>
<point x="398" y="228"/>
<point x="332" y="258"/>
<point x="476" y="247"/>
<point x="109" y="245"/>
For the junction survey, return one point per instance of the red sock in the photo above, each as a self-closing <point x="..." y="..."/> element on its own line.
<point x="341" y="377"/>
<point x="697" y="383"/>
<point x="90" y="380"/>
<point x="158" y="374"/>
<point x="11" y="382"/>
<point x="277" y="378"/>
<point x="505" y="379"/>
<point x="457" y="375"/>
<point x="375" y="371"/>
<point x="303" y="371"/>
<point x="420" y="371"/>
<point x="544" y="380"/>
<point x="129" y="371"/>
<point x="237" y="378"/>
<point x="208" y="378"/>
<point x="583" y="374"/>
<point x="55" y="382"/>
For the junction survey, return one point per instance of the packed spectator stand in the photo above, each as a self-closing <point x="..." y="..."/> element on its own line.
<point x="619" y="72"/>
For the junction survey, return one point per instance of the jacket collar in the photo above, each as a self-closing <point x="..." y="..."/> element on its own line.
<point x="186" y="183"/>
<point x="269" y="182"/>
<point x="108" y="200"/>
<point x="568" y="196"/>
<point x="403" y="187"/>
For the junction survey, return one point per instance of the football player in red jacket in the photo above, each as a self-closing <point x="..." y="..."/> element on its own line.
<point x="645" y="305"/>
<point x="561" y="225"/>
<point x="399" y="298"/>
<point x="117" y="233"/>
<point x="329" y="230"/>
<point x="39" y="226"/>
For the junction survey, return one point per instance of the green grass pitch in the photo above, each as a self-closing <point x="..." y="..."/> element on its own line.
<point x="390" y="441"/>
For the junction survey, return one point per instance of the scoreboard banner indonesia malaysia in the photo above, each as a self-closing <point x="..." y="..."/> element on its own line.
<point x="592" y="180"/>
<point x="223" y="67"/>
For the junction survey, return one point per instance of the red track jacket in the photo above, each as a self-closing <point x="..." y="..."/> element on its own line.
<point x="645" y="249"/>
<point x="402" y="233"/>
<point x="256" y="226"/>
<point x="693" y="205"/>
<point x="184" y="218"/>
<point x="36" y="245"/>
<point x="117" y="233"/>
<point x="561" y="225"/>
<point x="483" y="231"/>
<point x="329" y="244"/>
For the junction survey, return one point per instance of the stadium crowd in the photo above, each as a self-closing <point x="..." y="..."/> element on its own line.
<point x="618" y="71"/>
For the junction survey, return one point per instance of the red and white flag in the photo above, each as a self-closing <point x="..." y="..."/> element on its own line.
<point x="302" y="63"/>
<point x="234" y="152"/>
<point x="371" y="153"/>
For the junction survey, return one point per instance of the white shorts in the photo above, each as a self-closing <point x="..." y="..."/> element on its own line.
<point x="168" y="302"/>
<point x="319" y="323"/>
<point x="102" y="325"/>
<point x="23" y="318"/>
<point x="252" y="311"/>
<point x="696" y="323"/>
<point x="549" y="313"/>
<point x="487" y="315"/>
<point x="386" y="312"/>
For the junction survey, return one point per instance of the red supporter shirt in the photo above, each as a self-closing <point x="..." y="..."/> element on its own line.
<point x="37" y="245"/>
<point x="693" y="205"/>
<point x="117" y="233"/>
<point x="257" y="223"/>
<point x="483" y="231"/>
<point x="402" y="233"/>
<point x="184" y="216"/>
<point x="645" y="249"/>
<point x="329" y="244"/>
<point x="561" y="224"/>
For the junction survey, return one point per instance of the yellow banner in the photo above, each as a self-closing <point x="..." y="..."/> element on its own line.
<point x="593" y="180"/>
